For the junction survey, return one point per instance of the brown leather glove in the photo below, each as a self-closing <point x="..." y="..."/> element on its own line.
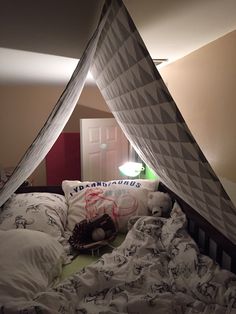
<point x="81" y="238"/>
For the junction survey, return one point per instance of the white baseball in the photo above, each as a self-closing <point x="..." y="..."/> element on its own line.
<point x="98" y="234"/>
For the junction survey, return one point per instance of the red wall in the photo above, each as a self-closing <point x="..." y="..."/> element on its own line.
<point x="63" y="160"/>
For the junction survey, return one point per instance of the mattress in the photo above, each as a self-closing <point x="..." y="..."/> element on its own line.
<point x="157" y="269"/>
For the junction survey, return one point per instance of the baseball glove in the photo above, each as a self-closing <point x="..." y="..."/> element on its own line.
<point x="81" y="238"/>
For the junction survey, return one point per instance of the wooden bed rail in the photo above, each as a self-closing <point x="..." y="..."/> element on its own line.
<point x="49" y="189"/>
<point x="209" y="240"/>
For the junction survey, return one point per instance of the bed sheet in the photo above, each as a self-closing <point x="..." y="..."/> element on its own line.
<point x="85" y="259"/>
<point x="156" y="269"/>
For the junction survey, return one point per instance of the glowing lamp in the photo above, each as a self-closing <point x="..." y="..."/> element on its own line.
<point x="131" y="169"/>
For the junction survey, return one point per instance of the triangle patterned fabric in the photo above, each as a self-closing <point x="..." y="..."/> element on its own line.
<point x="146" y="112"/>
<point x="56" y="120"/>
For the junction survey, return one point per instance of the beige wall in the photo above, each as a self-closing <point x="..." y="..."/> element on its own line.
<point x="203" y="86"/>
<point x="24" y="110"/>
<point x="91" y="105"/>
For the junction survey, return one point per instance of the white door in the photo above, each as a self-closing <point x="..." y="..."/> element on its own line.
<point x="104" y="148"/>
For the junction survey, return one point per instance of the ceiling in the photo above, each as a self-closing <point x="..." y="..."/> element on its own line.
<point x="41" y="41"/>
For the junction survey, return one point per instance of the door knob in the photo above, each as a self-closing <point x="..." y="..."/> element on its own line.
<point x="103" y="146"/>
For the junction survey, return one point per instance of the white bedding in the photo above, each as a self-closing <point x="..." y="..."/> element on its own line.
<point x="157" y="269"/>
<point x="30" y="262"/>
<point x="40" y="211"/>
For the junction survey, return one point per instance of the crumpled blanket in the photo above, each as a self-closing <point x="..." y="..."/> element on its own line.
<point x="157" y="269"/>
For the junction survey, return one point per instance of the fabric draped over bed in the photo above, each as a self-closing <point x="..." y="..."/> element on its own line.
<point x="150" y="119"/>
<point x="146" y="112"/>
<point x="56" y="120"/>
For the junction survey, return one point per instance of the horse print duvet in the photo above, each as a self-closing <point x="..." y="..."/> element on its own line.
<point x="157" y="269"/>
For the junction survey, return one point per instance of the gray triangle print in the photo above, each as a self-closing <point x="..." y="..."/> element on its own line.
<point x="171" y="145"/>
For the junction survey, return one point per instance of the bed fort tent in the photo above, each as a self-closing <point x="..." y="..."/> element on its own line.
<point x="146" y="112"/>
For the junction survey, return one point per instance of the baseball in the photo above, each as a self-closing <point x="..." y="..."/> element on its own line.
<point x="98" y="234"/>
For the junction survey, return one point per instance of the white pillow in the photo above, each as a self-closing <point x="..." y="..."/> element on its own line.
<point x="71" y="187"/>
<point x="30" y="262"/>
<point x="121" y="199"/>
<point x="46" y="212"/>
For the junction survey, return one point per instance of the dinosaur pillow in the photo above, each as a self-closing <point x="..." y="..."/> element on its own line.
<point x="45" y="212"/>
<point x="120" y="199"/>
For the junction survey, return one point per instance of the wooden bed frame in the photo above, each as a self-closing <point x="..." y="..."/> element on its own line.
<point x="210" y="241"/>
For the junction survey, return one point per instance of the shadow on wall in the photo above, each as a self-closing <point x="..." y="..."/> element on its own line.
<point x="84" y="112"/>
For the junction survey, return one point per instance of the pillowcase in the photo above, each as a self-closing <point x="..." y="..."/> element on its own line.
<point x="46" y="212"/>
<point x="31" y="261"/>
<point x="71" y="187"/>
<point x="120" y="199"/>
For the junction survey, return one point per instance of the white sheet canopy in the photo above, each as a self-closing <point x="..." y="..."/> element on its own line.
<point x="146" y="112"/>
